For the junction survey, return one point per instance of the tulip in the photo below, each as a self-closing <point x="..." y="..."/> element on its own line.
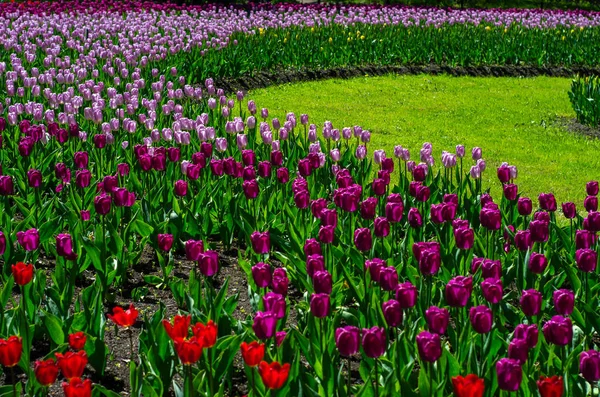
<point x="274" y="303"/>
<point x="539" y="231"/>
<point x="381" y="227"/>
<point x="124" y="318"/>
<point x="558" y="330"/>
<point x="592" y="188"/>
<point x="392" y="312"/>
<point x="206" y="334"/>
<point x="374" y="341"/>
<point x="537" y="263"/>
<point x="314" y="263"/>
<point x="468" y="386"/>
<point x="261" y="242"/>
<point x="46" y="372"/>
<point x="569" y="210"/>
<point x="374" y="266"/>
<point x="564" y="301"/>
<point x="430" y="261"/>
<point x="388" y="278"/>
<point x="208" y="262"/>
<point x="547" y="202"/>
<point x="22" y="273"/>
<point x="465" y="238"/>
<point x="509" y="374"/>
<point x="252" y="353"/>
<point x="458" y="291"/>
<point x="362" y="239"/>
<point x="490" y="218"/>
<point x="492" y="290"/>
<point x="29" y="239"/>
<point x="322" y="282"/>
<point x="415" y="219"/>
<point x="550" y="386"/>
<point x="586" y="260"/>
<point x="347" y="340"/>
<point x="319" y="305"/>
<point x="102" y="204"/>
<point x="523" y="240"/>
<point x="283" y="175"/>
<point x="529" y="333"/>
<point x="491" y="269"/>
<point x="393" y="212"/>
<point x="312" y="247"/>
<point x="261" y="273"/>
<point x="165" y="242"/>
<point x="264" y="325"/>
<point x="77" y="340"/>
<point x="10" y="351"/>
<point x="429" y="346"/>
<point x="510" y="191"/>
<point x="481" y="318"/>
<point x="368" y="208"/>
<point x="188" y="350"/>
<point x="72" y="364"/>
<point x="518" y="349"/>
<point x="531" y="302"/>
<point x="193" y="249"/>
<point x="179" y="328"/>
<point x="589" y="365"/>
<point x="273" y="375"/>
<point x="406" y="295"/>
<point x="437" y="319"/>
<point x="77" y="388"/>
<point x="524" y="206"/>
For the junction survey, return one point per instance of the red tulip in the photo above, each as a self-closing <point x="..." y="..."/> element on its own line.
<point x="179" y="328"/>
<point x="206" y="333"/>
<point x="468" y="386"/>
<point x="23" y="273"/>
<point x="10" y="351"/>
<point x="77" y="340"/>
<point x="273" y="375"/>
<point x="124" y="318"/>
<point x="45" y="371"/>
<point x="253" y="353"/>
<point x="77" y="388"/>
<point x="551" y="386"/>
<point x="189" y="350"/>
<point x="72" y="364"/>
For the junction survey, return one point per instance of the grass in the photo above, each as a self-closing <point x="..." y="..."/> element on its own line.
<point x="512" y="119"/>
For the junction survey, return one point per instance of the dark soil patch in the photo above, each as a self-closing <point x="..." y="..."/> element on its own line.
<point x="575" y="127"/>
<point x="266" y="79"/>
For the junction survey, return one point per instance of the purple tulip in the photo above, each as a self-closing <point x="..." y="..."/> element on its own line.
<point x="458" y="291"/>
<point x="319" y="305"/>
<point x="518" y="349"/>
<point x="415" y="219"/>
<point x="437" y="319"/>
<point x="589" y="365"/>
<point x="374" y="341"/>
<point x="2" y="243"/>
<point x="465" y="238"/>
<point x="347" y="340"/>
<point x="312" y="247"/>
<point x="368" y="208"/>
<point x="586" y="260"/>
<point x="564" y="301"/>
<point x="392" y="312"/>
<point x="388" y="278"/>
<point x="490" y="218"/>
<point x="529" y="333"/>
<point x="264" y="325"/>
<point x="274" y="303"/>
<point x="314" y="263"/>
<point x="29" y="239"/>
<point x="193" y="249"/>
<point x="261" y="273"/>
<point x="280" y="281"/>
<point x="429" y="346"/>
<point x="592" y="188"/>
<point x="34" y="178"/>
<point x="509" y="374"/>
<point x="6" y="185"/>
<point x="590" y="203"/>
<point x="208" y="262"/>
<point x="547" y="202"/>
<point x="524" y="206"/>
<point x="531" y="302"/>
<point x="537" y="263"/>
<point x="374" y="266"/>
<point x="492" y="290"/>
<point x="165" y="242"/>
<point x="406" y="295"/>
<point x="523" y="240"/>
<point x="510" y="191"/>
<point x="558" y="330"/>
<point x="64" y="246"/>
<point x="381" y="227"/>
<point x="261" y="242"/>
<point x="430" y="261"/>
<point x="102" y="204"/>
<point x="569" y="210"/>
<point x="393" y="211"/>
<point x="363" y="239"/>
<point x="181" y="188"/>
<point x="481" y="318"/>
<point x="322" y="282"/>
<point x="584" y="239"/>
<point x="491" y="269"/>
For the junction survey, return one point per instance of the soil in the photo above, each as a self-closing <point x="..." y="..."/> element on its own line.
<point x="265" y="79"/>
<point x="575" y="127"/>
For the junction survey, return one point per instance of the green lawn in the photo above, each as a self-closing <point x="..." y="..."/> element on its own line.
<point x="512" y="119"/>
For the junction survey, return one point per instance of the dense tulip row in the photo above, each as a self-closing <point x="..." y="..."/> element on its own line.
<point x="368" y="273"/>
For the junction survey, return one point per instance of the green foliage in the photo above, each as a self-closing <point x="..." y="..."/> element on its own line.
<point x="585" y="98"/>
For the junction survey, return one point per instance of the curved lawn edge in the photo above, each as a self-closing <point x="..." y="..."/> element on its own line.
<point x="264" y="79"/>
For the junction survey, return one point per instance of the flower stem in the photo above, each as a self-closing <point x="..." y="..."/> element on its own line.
<point x="12" y="376"/>
<point x="376" y="380"/>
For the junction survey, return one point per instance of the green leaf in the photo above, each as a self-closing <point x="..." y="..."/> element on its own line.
<point x="53" y="325"/>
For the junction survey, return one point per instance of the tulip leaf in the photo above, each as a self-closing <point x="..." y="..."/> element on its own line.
<point x="53" y="325"/>
<point x="101" y="390"/>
